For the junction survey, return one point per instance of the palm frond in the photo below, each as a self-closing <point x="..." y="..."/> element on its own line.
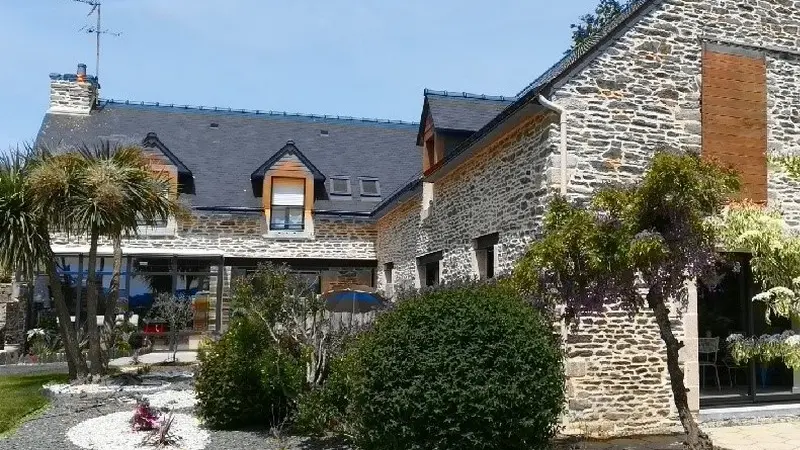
<point x="24" y="236"/>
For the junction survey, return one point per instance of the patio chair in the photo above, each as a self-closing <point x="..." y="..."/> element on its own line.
<point x="708" y="349"/>
<point x="733" y="367"/>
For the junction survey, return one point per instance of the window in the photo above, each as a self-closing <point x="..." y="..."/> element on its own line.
<point x="388" y="276"/>
<point x="370" y="187"/>
<point x="428" y="267"/>
<point x="155" y="224"/>
<point x="157" y="227"/>
<point x="485" y="255"/>
<point x="388" y="270"/>
<point x="287" y="211"/>
<point x="340" y="185"/>
<point x="432" y="273"/>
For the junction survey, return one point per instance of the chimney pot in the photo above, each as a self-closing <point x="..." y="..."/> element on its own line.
<point x="81" y="72"/>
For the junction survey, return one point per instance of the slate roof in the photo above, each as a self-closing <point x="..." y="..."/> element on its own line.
<point x="257" y="177"/>
<point x="222" y="158"/>
<point x="460" y="111"/>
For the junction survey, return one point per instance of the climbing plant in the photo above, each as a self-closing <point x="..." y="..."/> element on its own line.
<point x="652" y="236"/>
<point x="775" y="264"/>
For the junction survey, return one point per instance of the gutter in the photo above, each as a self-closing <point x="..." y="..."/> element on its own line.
<point x="562" y="113"/>
<point x="249" y="209"/>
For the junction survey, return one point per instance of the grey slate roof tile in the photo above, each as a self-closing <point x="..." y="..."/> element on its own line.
<point x="464" y="112"/>
<point x="222" y="158"/>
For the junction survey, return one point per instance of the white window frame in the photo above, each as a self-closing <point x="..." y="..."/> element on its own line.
<point x="287" y="231"/>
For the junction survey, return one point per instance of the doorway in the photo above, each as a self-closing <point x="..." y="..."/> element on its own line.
<point x="725" y="307"/>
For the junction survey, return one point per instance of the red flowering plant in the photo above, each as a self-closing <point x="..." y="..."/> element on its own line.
<point x="145" y="417"/>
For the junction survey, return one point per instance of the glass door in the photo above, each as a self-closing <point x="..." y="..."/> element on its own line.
<point x="725" y="307"/>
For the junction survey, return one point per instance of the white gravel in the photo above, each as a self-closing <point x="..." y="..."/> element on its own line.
<point x="172" y="399"/>
<point x="73" y="389"/>
<point x="113" y="432"/>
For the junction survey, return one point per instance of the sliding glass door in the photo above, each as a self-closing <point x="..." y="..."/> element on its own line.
<point x="725" y="307"/>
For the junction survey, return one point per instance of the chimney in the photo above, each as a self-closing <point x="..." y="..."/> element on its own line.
<point x="73" y="93"/>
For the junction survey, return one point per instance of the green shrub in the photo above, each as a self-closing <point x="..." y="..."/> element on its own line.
<point x="325" y="409"/>
<point x="244" y="380"/>
<point x="468" y="367"/>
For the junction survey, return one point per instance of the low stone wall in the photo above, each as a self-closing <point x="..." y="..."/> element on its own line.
<point x="12" y="318"/>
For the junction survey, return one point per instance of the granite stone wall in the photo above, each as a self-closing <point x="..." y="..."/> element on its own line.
<point x="641" y="94"/>
<point x="244" y="235"/>
<point x="502" y="189"/>
<point x="70" y="96"/>
<point x="12" y="315"/>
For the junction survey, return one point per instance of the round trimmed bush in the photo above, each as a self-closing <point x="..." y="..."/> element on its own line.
<point x="468" y="367"/>
<point x="244" y="380"/>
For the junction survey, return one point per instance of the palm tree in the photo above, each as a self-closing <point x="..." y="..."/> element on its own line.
<point x="25" y="242"/>
<point x="119" y="190"/>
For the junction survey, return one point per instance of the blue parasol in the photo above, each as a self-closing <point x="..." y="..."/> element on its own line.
<point x="355" y="299"/>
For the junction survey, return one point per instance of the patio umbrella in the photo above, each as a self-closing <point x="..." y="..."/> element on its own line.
<point x="355" y="299"/>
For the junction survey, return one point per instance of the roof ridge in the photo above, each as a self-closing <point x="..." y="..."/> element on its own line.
<point x="458" y="94"/>
<point x="587" y="48"/>
<point x="262" y="112"/>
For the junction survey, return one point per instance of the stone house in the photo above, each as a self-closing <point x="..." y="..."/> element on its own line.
<point x="463" y="192"/>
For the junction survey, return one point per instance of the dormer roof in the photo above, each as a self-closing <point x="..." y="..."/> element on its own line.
<point x="460" y="112"/>
<point x="257" y="177"/>
<point x="185" y="177"/>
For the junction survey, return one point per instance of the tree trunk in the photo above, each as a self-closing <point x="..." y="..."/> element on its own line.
<point x="695" y="438"/>
<point x="113" y="295"/>
<point x="91" y="306"/>
<point x="75" y="362"/>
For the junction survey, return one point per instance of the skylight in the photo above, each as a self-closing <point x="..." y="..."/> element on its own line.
<point x="340" y="185"/>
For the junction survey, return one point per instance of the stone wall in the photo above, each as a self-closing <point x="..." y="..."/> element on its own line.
<point x="243" y="235"/>
<point x="502" y="189"/>
<point x="640" y="95"/>
<point x="783" y="121"/>
<point x="12" y="315"/>
<point x="70" y="96"/>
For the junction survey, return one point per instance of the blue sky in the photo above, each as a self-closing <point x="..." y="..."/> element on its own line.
<point x="366" y="58"/>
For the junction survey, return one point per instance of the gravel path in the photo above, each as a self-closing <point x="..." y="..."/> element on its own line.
<point x="48" y="431"/>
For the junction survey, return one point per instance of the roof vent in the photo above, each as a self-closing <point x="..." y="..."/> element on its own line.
<point x="214" y="125"/>
<point x="290" y="142"/>
<point x="324" y="132"/>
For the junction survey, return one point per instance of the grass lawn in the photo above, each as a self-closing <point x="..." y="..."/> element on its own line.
<point x="21" y="396"/>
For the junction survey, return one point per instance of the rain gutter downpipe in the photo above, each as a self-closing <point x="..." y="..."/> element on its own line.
<point x="563" y="145"/>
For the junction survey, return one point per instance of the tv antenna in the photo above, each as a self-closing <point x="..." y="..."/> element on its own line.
<point x="97" y="30"/>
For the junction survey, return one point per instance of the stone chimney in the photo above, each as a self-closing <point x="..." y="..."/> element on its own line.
<point x="73" y="93"/>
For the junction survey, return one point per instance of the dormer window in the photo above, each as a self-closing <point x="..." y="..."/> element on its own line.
<point x="340" y="186"/>
<point x="370" y="187"/>
<point x="287" y="210"/>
